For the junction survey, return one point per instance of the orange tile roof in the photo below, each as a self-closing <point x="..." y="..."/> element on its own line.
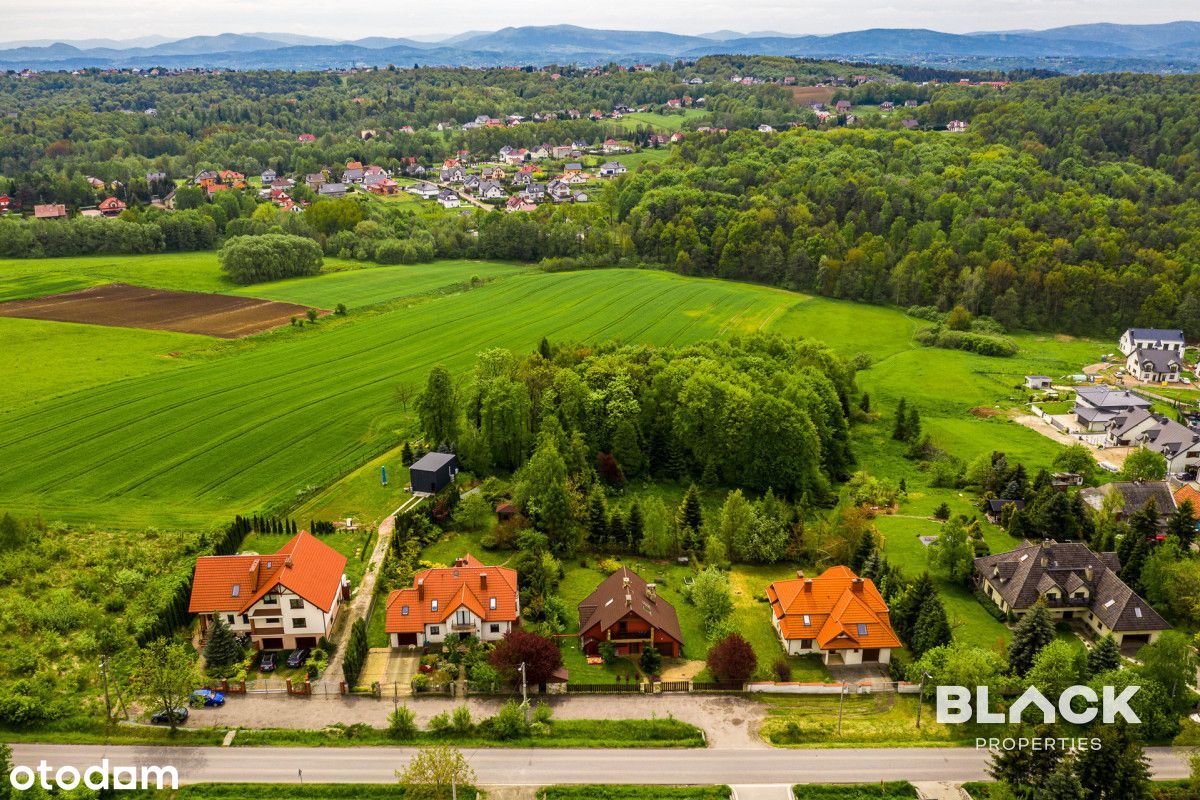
<point x="460" y="586"/>
<point x="305" y="565"/>
<point x="1188" y="492"/>
<point x="834" y="604"/>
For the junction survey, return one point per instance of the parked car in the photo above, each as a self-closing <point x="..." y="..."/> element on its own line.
<point x="207" y="698"/>
<point x="268" y="662"/>
<point x="164" y="717"/>
<point x="297" y="657"/>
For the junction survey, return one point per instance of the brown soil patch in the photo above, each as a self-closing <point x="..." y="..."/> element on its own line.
<point x="805" y="95"/>
<point x="984" y="412"/>
<point x="121" y="305"/>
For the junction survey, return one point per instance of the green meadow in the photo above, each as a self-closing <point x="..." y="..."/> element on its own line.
<point x="122" y="427"/>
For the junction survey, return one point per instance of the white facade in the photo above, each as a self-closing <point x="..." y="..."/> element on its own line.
<point x="848" y="655"/>
<point x="281" y="620"/>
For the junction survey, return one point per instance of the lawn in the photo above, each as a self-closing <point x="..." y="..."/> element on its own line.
<point x="872" y="720"/>
<point x="349" y="543"/>
<point x="635" y="160"/>
<point x="660" y="123"/>
<point x="893" y="790"/>
<point x="611" y="792"/>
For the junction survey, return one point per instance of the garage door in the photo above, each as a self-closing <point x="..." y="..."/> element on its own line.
<point x="272" y="644"/>
<point x="402" y="639"/>
<point x="871" y="655"/>
<point x="306" y="642"/>
<point x="1136" y="640"/>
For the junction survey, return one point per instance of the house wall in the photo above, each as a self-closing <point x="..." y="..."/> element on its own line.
<point x="796" y="647"/>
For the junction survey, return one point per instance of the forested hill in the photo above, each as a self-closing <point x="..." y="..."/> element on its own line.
<point x="1070" y="204"/>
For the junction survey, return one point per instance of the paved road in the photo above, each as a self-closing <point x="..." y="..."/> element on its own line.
<point x="502" y="766"/>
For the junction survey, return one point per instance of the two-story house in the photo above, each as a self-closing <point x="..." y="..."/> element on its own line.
<point x="1075" y="584"/>
<point x="1178" y="444"/>
<point x="1098" y="406"/>
<point x="627" y="612"/>
<point x="836" y="615"/>
<point x="281" y="600"/>
<point x="469" y="598"/>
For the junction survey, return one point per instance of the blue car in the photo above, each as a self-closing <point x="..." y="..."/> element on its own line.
<point x="207" y="698"/>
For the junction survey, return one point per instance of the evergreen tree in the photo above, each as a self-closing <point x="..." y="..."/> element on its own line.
<point x="617" y="532"/>
<point x="635" y="527"/>
<point x="932" y="628"/>
<point x="1042" y="480"/>
<point x="544" y="348"/>
<point x="912" y="428"/>
<point x="864" y="403"/>
<point x="900" y="429"/>
<point x="1033" y="632"/>
<point x="1104" y="656"/>
<point x="906" y="611"/>
<point x="1131" y="570"/>
<point x="1062" y="784"/>
<point x="406" y="455"/>
<point x="1117" y="769"/>
<point x="222" y="649"/>
<point x="691" y="514"/>
<point x="863" y="553"/>
<point x="597" y="519"/>
<point x="1182" y="525"/>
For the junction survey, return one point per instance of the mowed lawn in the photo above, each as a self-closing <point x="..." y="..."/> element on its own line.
<point x="259" y="424"/>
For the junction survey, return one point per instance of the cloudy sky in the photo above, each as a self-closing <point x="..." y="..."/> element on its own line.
<point x="348" y="19"/>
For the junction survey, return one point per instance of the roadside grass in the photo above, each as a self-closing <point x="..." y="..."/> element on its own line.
<point x="284" y="791"/>
<point x="889" y="790"/>
<point x="1159" y="790"/>
<point x="591" y="733"/>
<point x="630" y="792"/>
<point x="875" y="720"/>
<point x="92" y="730"/>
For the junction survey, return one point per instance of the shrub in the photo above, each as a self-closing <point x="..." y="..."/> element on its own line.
<point x="460" y="720"/>
<point x="509" y="722"/>
<point x="440" y="723"/>
<point x="402" y="724"/>
<point x="253" y="259"/>
<point x="542" y="713"/>
<point x="782" y="670"/>
<point x="732" y="659"/>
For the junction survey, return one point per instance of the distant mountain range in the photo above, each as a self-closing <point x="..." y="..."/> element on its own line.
<point x="1168" y="47"/>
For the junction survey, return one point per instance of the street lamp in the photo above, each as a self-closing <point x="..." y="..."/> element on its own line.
<point x="921" y="695"/>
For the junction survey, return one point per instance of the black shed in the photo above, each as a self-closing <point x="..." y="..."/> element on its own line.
<point x="432" y="472"/>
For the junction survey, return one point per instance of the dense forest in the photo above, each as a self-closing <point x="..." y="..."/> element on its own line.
<point x="1070" y="204"/>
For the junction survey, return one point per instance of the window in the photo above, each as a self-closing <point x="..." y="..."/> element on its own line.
<point x="270" y="600"/>
<point x="245" y="619"/>
<point x="299" y="622"/>
<point x="404" y="611"/>
<point x="272" y="621"/>
<point x="296" y="603"/>
<point x="435" y="630"/>
<point x="806" y="620"/>
<point x="433" y="605"/>
<point x="862" y="629"/>
<point x="464" y="617"/>
<point x="237" y="590"/>
<point x="495" y="627"/>
<point x="492" y="603"/>
<point x="231" y="618"/>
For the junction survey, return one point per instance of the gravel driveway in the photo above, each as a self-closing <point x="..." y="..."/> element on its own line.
<point x="728" y="721"/>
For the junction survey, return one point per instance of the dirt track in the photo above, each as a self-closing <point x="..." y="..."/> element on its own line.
<point x="126" y="306"/>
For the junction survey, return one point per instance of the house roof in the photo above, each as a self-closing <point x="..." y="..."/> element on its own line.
<point x="623" y="593"/>
<point x="837" y="609"/>
<point x="1155" y="334"/>
<point x="995" y="504"/>
<point x="1187" y="492"/>
<point x="432" y="462"/>
<point x="1136" y="494"/>
<point x="304" y="565"/>
<point x="1113" y="399"/>
<point x="1159" y="360"/>
<point x="49" y="210"/>
<point x="1024" y="575"/>
<point x="468" y="584"/>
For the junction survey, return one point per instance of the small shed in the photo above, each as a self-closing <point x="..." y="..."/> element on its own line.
<point x="433" y="472"/>
<point x="1037" y="382"/>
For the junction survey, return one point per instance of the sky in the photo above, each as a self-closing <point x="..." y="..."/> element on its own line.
<point x="349" y="19"/>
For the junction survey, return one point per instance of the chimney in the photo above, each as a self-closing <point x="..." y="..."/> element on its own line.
<point x="421" y="589"/>
<point x="1089" y="573"/>
<point x="652" y="591"/>
<point x="1045" y="560"/>
<point x="807" y="584"/>
<point x="625" y="583"/>
<point x="629" y="600"/>
<point x="287" y="562"/>
<point x="483" y="580"/>
<point x="856" y="585"/>
<point x="254" y="574"/>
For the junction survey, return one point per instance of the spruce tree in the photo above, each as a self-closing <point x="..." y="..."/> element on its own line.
<point x="1131" y="570"/>
<point x="691" y="515"/>
<point x="597" y="520"/>
<point x="635" y="528"/>
<point x="1117" y="769"/>
<point x="406" y="455"/>
<point x="1104" y="656"/>
<point x="617" y="533"/>
<point x="932" y="628"/>
<point x="912" y="428"/>
<point x="222" y="648"/>
<point x="544" y="348"/>
<point x="862" y="553"/>
<point x="906" y="611"/>
<point x="1033" y="632"/>
<point x="1182" y="525"/>
<point x="900" y="429"/>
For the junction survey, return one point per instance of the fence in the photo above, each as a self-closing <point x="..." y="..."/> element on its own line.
<point x="604" y="688"/>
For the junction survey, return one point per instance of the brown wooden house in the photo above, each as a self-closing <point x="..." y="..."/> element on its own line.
<point x="628" y="612"/>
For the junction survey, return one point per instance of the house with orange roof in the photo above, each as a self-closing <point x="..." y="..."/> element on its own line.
<point x="111" y="207"/>
<point x="836" y="615"/>
<point x="468" y="598"/>
<point x="1188" y="492"/>
<point x="283" y="600"/>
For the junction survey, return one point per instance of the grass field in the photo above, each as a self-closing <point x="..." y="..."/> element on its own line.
<point x="660" y="123"/>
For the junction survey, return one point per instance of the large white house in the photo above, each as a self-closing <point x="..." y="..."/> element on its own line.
<point x="1135" y="339"/>
<point x="283" y="600"/>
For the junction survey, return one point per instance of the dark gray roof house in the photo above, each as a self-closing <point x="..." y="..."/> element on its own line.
<point x="1097" y="406"/>
<point x="1136" y="495"/>
<point x="1075" y="583"/>
<point x="333" y="190"/>
<point x="432" y="472"/>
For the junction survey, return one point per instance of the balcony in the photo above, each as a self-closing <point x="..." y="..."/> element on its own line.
<point x="462" y="628"/>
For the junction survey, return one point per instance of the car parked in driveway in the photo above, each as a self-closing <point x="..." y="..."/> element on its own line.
<point x="267" y="664"/>
<point x="207" y="698"/>
<point x="297" y="658"/>
<point x="164" y="717"/>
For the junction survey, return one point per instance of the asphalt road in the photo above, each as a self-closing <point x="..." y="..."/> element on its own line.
<point x="505" y="766"/>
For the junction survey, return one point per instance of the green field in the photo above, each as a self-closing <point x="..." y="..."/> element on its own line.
<point x="660" y="123"/>
<point x="139" y="428"/>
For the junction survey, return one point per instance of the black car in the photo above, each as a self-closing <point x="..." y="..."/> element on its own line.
<point x="164" y="717"/>
<point x="297" y="657"/>
<point x="268" y="662"/>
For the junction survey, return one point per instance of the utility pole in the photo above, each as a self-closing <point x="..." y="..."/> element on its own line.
<point x="841" y="701"/>
<point x="524" y="693"/>
<point x="921" y="696"/>
<point x="453" y="787"/>
<point x="104" y="676"/>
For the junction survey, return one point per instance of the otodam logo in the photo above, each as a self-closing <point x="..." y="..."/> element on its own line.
<point x="954" y="705"/>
